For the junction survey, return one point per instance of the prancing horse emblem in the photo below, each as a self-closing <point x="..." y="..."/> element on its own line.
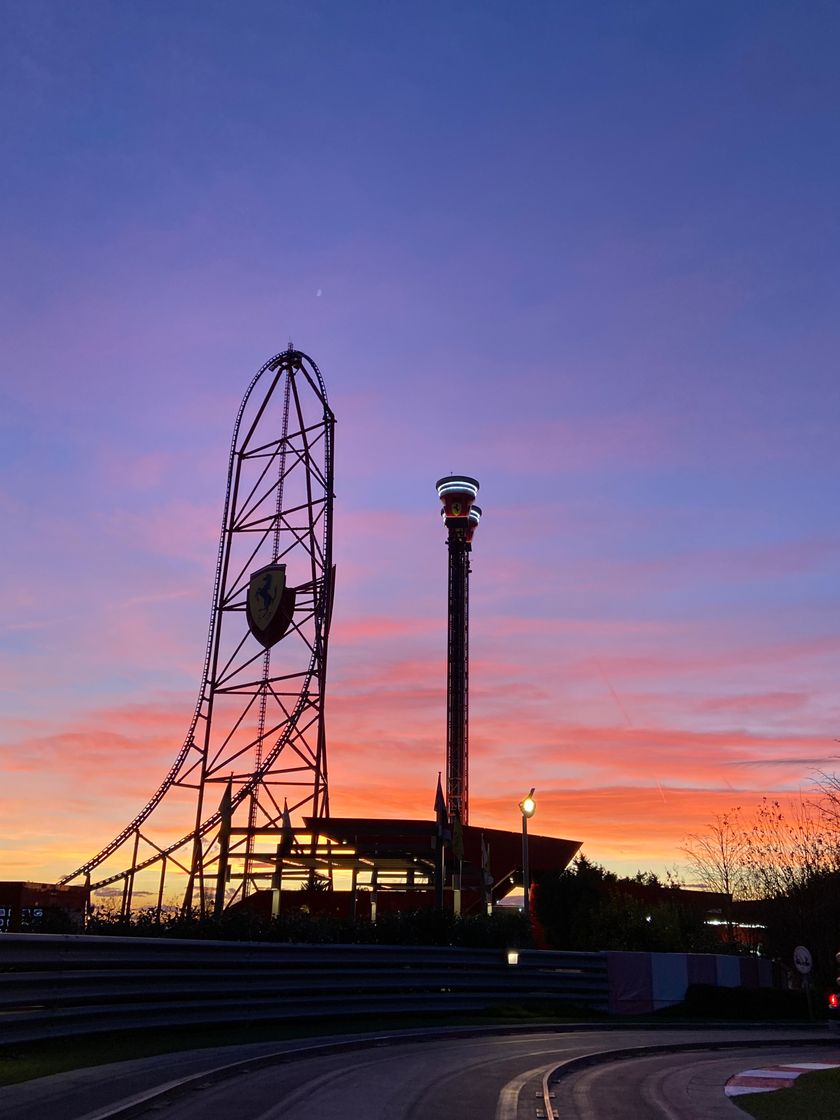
<point x="270" y="604"/>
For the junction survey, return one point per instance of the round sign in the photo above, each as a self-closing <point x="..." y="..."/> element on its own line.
<point x="802" y="960"/>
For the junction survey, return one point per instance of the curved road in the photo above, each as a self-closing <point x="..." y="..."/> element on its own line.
<point x="487" y="1077"/>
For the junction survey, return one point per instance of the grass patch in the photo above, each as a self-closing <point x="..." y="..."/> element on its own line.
<point x="813" y="1095"/>
<point x="27" y="1060"/>
<point x="707" y="1001"/>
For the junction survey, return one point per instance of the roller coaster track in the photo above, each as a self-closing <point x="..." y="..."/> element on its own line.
<point x="270" y="516"/>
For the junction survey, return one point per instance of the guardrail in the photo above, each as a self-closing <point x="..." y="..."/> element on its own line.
<point x="54" y="985"/>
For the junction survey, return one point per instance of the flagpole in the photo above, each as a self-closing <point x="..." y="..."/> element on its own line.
<point x="225" y="813"/>
<point x="440" y="870"/>
<point x="486" y="877"/>
<point x="276" y="882"/>
<point x="287" y="837"/>
<point x="440" y="837"/>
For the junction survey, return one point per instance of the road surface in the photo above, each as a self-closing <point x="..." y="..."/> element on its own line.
<point x="487" y="1077"/>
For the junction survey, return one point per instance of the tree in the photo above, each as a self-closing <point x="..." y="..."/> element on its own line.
<point x="587" y="908"/>
<point x="784" y="859"/>
<point x="827" y="805"/>
<point x="719" y="857"/>
<point x="786" y="848"/>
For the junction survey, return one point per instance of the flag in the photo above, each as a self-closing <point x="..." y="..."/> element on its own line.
<point x="487" y="874"/>
<point x="441" y="818"/>
<point x="225" y="805"/>
<point x="457" y="838"/>
<point x="223" y="870"/>
<point x="287" y="836"/>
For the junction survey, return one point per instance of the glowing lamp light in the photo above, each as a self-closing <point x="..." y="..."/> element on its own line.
<point x="833" y="1001"/>
<point x="528" y="806"/>
<point x="457" y="492"/>
<point x="472" y="522"/>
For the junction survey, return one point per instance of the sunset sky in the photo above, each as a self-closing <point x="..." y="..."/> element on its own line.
<point x="586" y="253"/>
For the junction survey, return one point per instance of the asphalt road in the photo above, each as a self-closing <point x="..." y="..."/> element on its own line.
<point x="677" y="1086"/>
<point x="490" y="1077"/>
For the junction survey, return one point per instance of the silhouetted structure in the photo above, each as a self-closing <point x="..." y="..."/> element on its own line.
<point x="33" y="907"/>
<point x="257" y="738"/>
<point x="391" y="866"/>
<point x="461" y="517"/>
<point x="221" y="821"/>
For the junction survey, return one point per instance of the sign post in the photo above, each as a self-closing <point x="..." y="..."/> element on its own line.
<point x="803" y="963"/>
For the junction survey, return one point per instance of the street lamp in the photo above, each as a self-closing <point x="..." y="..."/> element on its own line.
<point x="527" y="807"/>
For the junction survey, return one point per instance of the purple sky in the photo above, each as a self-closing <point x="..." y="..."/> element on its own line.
<point x="585" y="253"/>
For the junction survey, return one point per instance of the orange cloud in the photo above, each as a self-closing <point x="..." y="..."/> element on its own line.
<point x="628" y="793"/>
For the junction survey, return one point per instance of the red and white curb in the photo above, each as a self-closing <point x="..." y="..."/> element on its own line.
<point x="770" y="1078"/>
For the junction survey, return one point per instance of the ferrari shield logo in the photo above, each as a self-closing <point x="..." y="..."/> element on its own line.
<point x="270" y="604"/>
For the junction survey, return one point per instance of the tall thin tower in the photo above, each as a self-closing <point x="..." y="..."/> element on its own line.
<point x="461" y="516"/>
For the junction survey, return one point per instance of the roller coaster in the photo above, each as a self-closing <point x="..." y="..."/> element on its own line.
<point x="254" y="755"/>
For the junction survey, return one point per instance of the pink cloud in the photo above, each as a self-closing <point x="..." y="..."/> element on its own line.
<point x="354" y="631"/>
<point x="784" y="702"/>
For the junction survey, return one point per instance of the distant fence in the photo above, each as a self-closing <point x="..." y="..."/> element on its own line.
<point x="53" y="985"/>
<point x="644" y="982"/>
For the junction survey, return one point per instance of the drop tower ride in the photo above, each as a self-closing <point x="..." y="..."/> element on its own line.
<point x="461" y="517"/>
